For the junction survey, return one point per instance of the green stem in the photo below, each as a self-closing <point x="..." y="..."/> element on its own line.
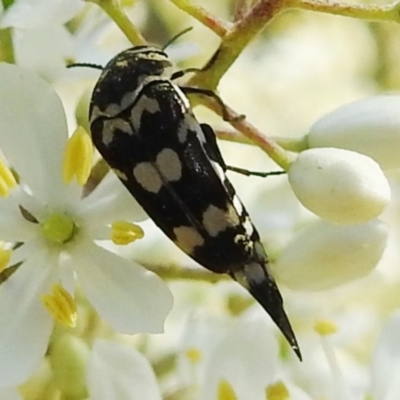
<point x="236" y="40"/>
<point x="114" y="10"/>
<point x="194" y="274"/>
<point x="359" y="11"/>
<point x="232" y="136"/>
<point x="6" y="46"/>
<point x="216" y="25"/>
<point x="292" y="144"/>
<point x="276" y="152"/>
<point x="267" y="144"/>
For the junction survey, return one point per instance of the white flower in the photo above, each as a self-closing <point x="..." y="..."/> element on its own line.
<point x="338" y="185"/>
<point x="248" y="345"/>
<point x="349" y="377"/>
<point x="237" y="359"/>
<point x="119" y="372"/>
<point x="58" y="229"/>
<point x="385" y="367"/>
<point x="323" y="255"/>
<point x="38" y="25"/>
<point x="28" y="14"/>
<point x="369" y="126"/>
<point x="10" y="394"/>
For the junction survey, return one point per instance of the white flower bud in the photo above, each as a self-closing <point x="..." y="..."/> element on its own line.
<point x="370" y="127"/>
<point x="324" y="255"/>
<point x="338" y="185"/>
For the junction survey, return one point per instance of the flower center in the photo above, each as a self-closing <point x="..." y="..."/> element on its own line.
<point x="61" y="306"/>
<point x="7" y="180"/>
<point x="194" y="355"/>
<point x="277" y="391"/>
<point x="225" y="391"/>
<point x="78" y="157"/>
<point x="123" y="232"/>
<point x="58" y="228"/>
<point x="5" y="256"/>
<point x="325" y="327"/>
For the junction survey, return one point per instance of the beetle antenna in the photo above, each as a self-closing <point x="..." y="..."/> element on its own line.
<point x="177" y="36"/>
<point x="88" y="65"/>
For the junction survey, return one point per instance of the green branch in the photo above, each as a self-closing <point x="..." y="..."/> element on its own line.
<point x="235" y="41"/>
<point x="6" y="46"/>
<point x="216" y="25"/>
<point x="359" y="11"/>
<point x="114" y="10"/>
<point x="194" y="274"/>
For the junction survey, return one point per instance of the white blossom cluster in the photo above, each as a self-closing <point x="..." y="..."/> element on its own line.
<point x="341" y="179"/>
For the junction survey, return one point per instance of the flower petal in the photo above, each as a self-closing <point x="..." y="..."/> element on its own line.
<point x="386" y="362"/>
<point x="119" y="372"/>
<point x="324" y="255"/>
<point x="13" y="226"/>
<point x="369" y="126"/>
<point x="128" y="296"/>
<point x="29" y="14"/>
<point x="10" y="394"/>
<point x="33" y="131"/>
<point x="25" y="324"/>
<point x="251" y="341"/>
<point x="109" y="202"/>
<point x="57" y="41"/>
<point x="341" y="186"/>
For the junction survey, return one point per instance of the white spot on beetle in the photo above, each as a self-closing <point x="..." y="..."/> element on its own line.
<point x="255" y="274"/>
<point x="111" y="128"/>
<point x="121" y="64"/>
<point x="182" y="96"/>
<point x="169" y="164"/>
<point x="127" y="100"/>
<point x="187" y="238"/>
<point x="218" y="170"/>
<point x="188" y="123"/>
<point x="238" y="205"/>
<point x="148" y="177"/>
<point x="112" y="110"/>
<point x="144" y="103"/>
<point x="216" y="220"/>
<point x="248" y="226"/>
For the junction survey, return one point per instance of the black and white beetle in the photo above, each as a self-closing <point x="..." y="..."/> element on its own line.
<point x="143" y="126"/>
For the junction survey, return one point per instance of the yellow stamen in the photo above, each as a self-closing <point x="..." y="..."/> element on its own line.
<point x="123" y="232"/>
<point x="58" y="228"/>
<point x="277" y="391"/>
<point x="325" y="327"/>
<point x="78" y="157"/>
<point x="225" y="391"/>
<point x="5" y="256"/>
<point x="61" y="306"/>
<point x="194" y="355"/>
<point x="7" y="180"/>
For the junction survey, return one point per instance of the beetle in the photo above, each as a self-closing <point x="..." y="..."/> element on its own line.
<point x="142" y="124"/>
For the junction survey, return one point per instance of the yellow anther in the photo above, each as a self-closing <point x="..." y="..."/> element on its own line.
<point x="5" y="256"/>
<point x="277" y="391"/>
<point x="194" y="355"/>
<point x="78" y="157"/>
<point x="61" y="306"/>
<point x="225" y="391"/>
<point x="123" y="232"/>
<point x="7" y="180"/>
<point x="325" y="327"/>
<point x="58" y="228"/>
